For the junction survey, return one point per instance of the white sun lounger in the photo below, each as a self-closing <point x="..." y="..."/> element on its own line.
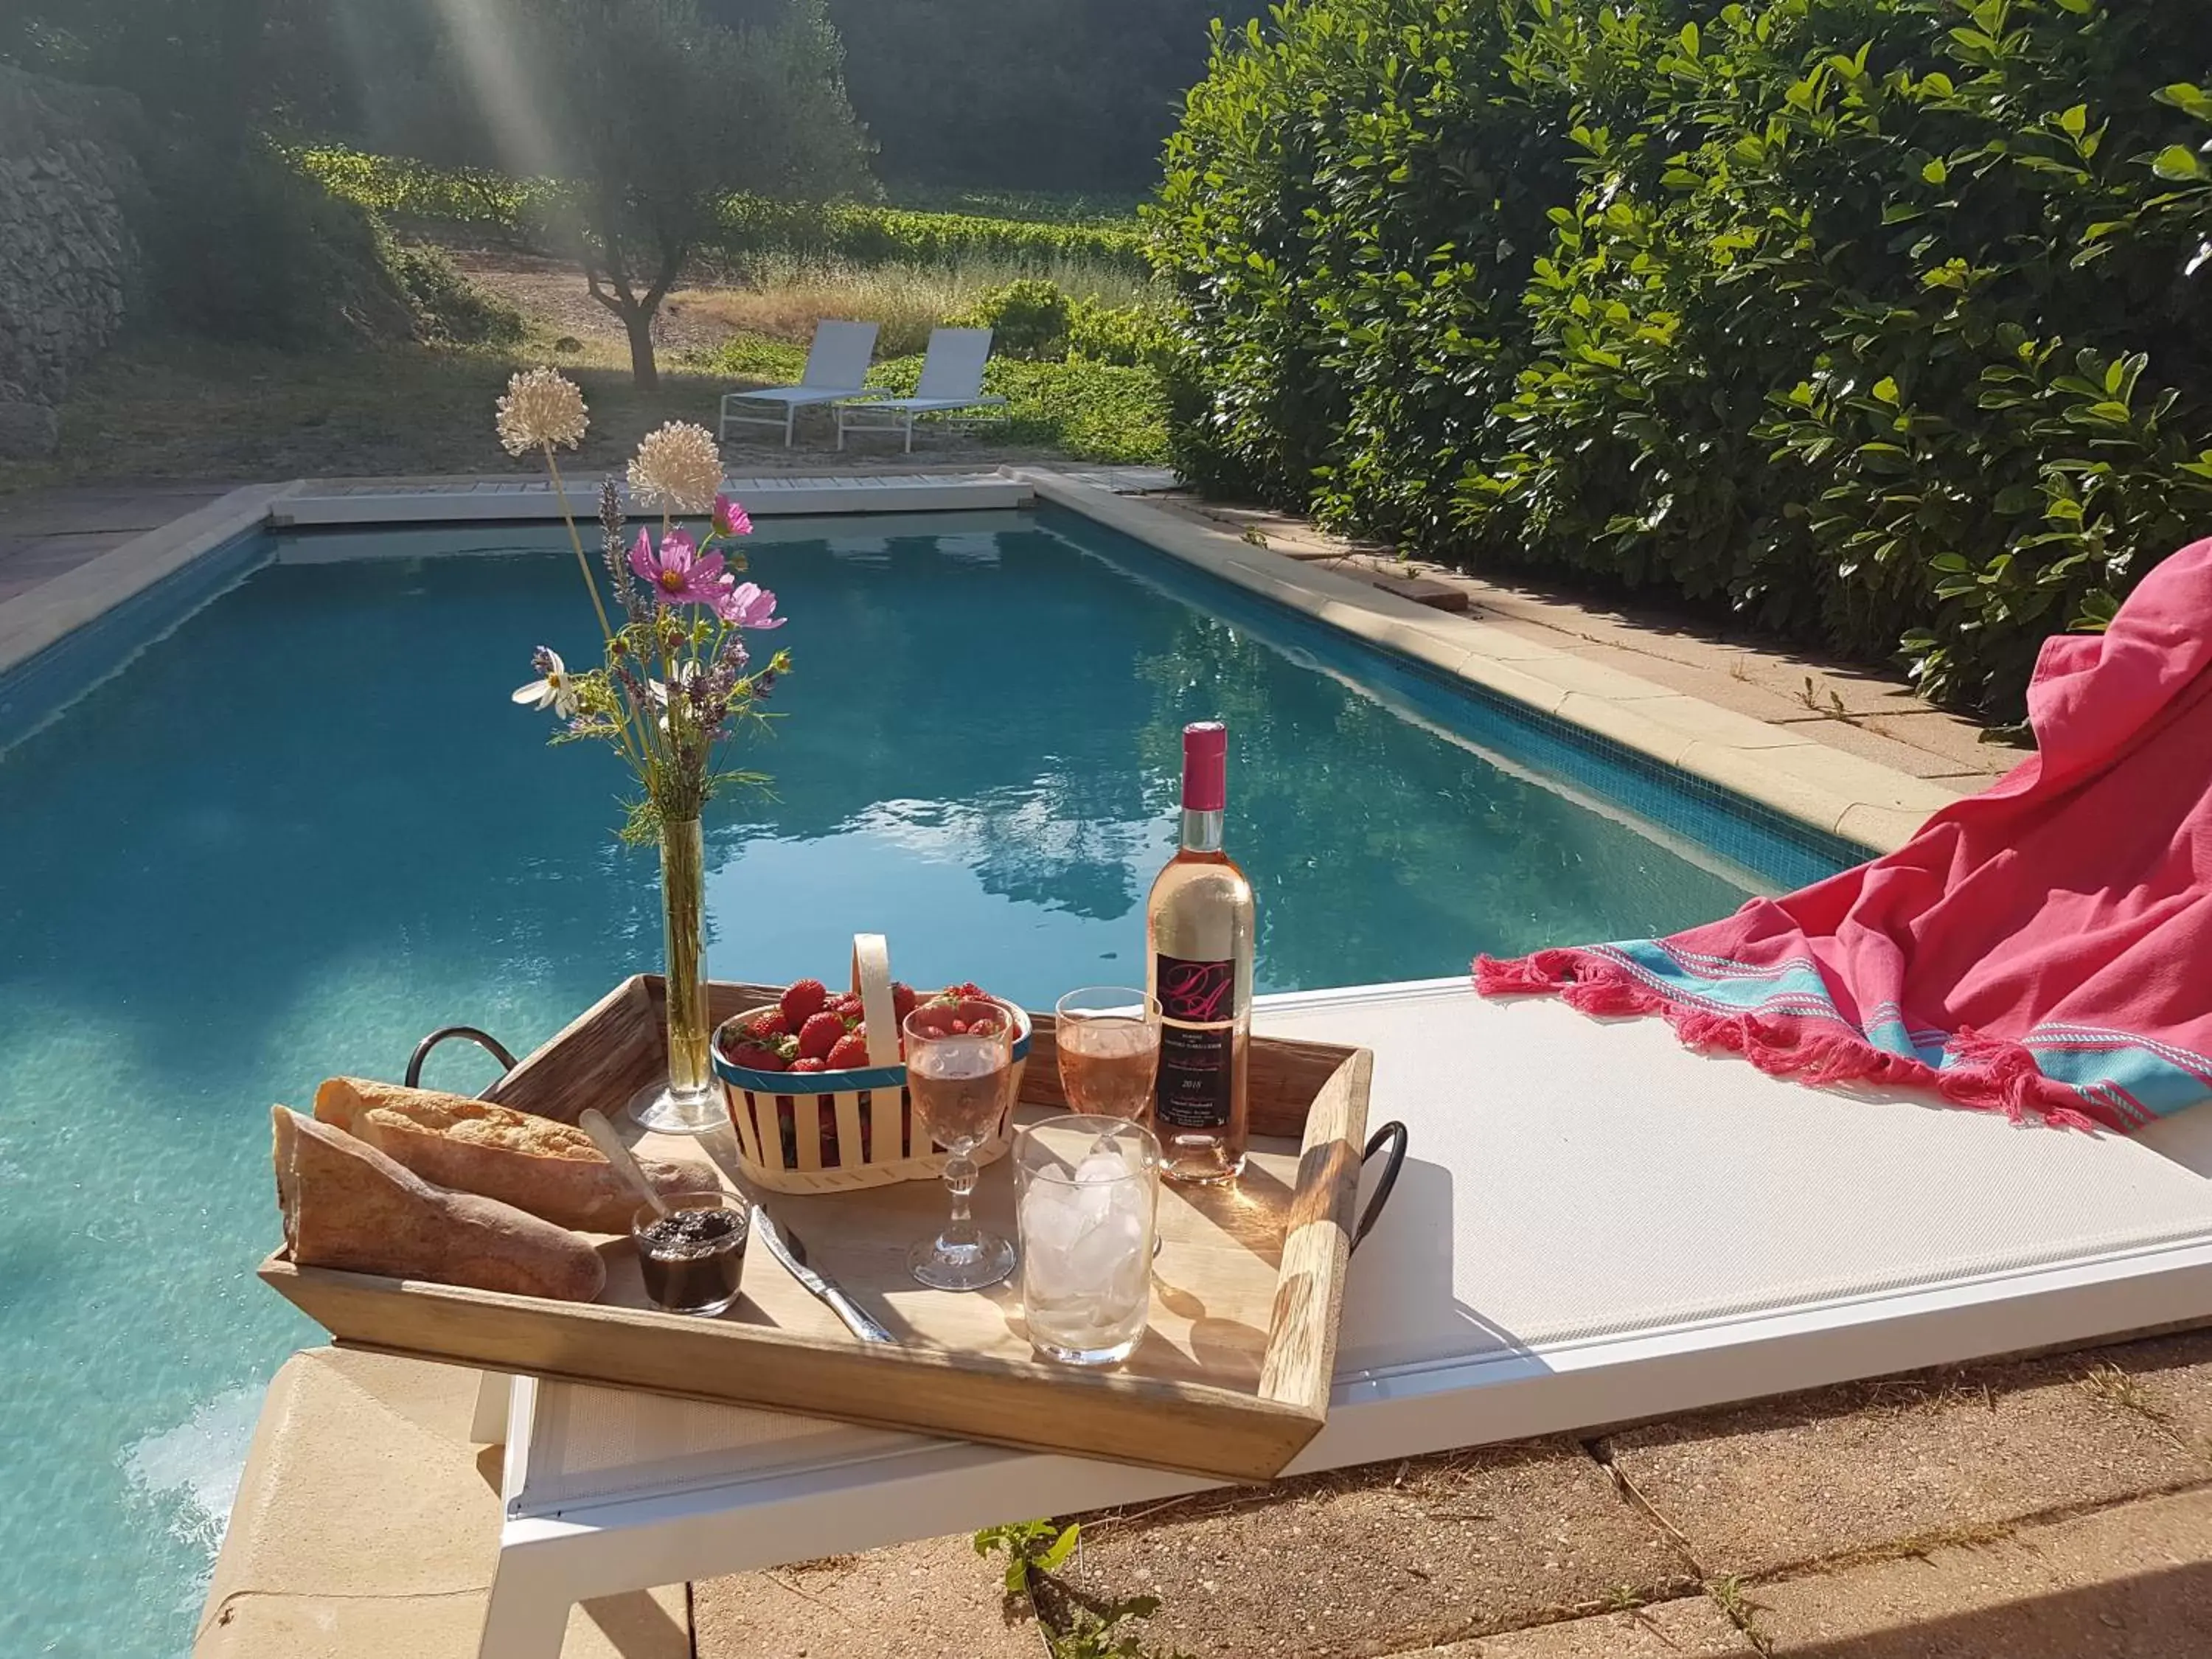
<point x="1594" y="1226"/>
<point x="836" y="363"/>
<point x="951" y="383"/>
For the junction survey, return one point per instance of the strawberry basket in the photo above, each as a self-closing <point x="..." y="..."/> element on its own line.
<point x="834" y="1131"/>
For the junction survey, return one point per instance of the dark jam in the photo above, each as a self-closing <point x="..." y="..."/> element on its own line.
<point x="692" y="1259"/>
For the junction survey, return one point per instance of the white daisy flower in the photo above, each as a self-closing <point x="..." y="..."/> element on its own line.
<point x="555" y="691"/>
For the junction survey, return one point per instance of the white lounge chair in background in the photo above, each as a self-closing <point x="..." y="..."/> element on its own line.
<point x="951" y="381"/>
<point x="836" y="364"/>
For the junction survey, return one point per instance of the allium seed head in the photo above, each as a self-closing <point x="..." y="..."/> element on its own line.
<point x="677" y="469"/>
<point x="543" y="408"/>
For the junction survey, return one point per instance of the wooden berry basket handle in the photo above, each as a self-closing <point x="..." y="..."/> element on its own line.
<point x="871" y="984"/>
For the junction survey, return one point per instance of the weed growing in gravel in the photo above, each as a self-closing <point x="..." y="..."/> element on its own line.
<point x="1075" y="1628"/>
<point x="1735" y="1601"/>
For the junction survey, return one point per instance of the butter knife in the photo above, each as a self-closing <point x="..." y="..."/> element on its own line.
<point x="788" y="1248"/>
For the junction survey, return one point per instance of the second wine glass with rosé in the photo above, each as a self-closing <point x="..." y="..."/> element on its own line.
<point x="1109" y="1040"/>
<point x="959" y="1075"/>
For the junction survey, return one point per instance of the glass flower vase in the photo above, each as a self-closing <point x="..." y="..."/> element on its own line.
<point x="689" y="1102"/>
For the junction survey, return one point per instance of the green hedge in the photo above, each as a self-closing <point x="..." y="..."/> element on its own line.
<point x="1883" y="321"/>
<point x="859" y="233"/>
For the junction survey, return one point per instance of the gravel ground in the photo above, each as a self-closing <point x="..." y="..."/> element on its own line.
<point x="552" y="293"/>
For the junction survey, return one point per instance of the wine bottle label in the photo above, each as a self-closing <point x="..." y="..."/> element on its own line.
<point x="1195" y="1055"/>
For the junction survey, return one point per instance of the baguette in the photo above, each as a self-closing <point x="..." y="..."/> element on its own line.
<point x="549" y="1168"/>
<point x="346" y="1206"/>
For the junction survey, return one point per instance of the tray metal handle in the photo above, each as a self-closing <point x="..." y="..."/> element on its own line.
<point x="484" y="1040"/>
<point x="1392" y="1133"/>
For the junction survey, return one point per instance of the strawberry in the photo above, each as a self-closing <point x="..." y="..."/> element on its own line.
<point x="770" y="1023"/>
<point x="803" y="1001"/>
<point x="850" y="1053"/>
<point x="808" y="1063"/>
<point x="903" y="1000"/>
<point x="846" y="1007"/>
<point x="819" y="1035"/>
<point x="756" y="1057"/>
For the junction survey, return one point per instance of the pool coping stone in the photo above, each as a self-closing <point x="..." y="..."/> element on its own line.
<point x="316" y="504"/>
<point x="1860" y="801"/>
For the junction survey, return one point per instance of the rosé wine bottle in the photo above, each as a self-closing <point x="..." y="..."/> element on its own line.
<point x="1198" y="947"/>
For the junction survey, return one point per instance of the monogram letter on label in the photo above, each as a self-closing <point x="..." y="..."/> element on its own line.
<point x="1199" y="992"/>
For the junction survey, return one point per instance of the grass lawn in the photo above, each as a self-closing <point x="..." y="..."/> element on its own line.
<point x="182" y="408"/>
<point x="169" y="407"/>
<point x="1086" y="411"/>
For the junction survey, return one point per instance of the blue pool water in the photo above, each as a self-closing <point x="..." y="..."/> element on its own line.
<point x="307" y="826"/>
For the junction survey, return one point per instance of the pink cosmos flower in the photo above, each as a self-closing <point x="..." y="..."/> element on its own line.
<point x="677" y="574"/>
<point x="731" y="519"/>
<point x="747" y="605"/>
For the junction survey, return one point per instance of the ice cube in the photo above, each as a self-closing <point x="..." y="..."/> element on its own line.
<point x="1100" y="1260"/>
<point x="1100" y="1165"/>
<point x="1102" y="1181"/>
<point x="1052" y="1218"/>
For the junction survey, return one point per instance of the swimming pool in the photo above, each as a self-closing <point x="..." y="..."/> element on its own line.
<point x="306" y="826"/>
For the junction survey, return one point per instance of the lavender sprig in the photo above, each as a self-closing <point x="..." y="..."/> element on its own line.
<point x="610" y="541"/>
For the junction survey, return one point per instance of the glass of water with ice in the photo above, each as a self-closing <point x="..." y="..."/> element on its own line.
<point x="1087" y="1199"/>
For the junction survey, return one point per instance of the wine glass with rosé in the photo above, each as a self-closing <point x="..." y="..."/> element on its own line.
<point x="1109" y="1039"/>
<point x="959" y="1076"/>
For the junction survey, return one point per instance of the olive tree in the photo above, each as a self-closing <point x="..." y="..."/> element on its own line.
<point x="657" y="116"/>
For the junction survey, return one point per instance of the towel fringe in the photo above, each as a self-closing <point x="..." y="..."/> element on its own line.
<point x="1996" y="1074"/>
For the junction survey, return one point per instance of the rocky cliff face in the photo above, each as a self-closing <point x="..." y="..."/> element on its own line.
<point x="67" y="258"/>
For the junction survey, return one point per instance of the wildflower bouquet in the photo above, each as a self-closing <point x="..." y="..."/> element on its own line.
<point x="676" y="682"/>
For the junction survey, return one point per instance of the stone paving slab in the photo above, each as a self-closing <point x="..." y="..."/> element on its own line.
<point x="1949" y="735"/>
<point x="1528" y="1552"/>
<point x="1766" y="1486"/>
<point x="367" y="1527"/>
<point x="1386" y="1558"/>
<point x="2132" y="1583"/>
<point x="933" y="1600"/>
<point x="1690" y="1628"/>
<point x="1859" y="736"/>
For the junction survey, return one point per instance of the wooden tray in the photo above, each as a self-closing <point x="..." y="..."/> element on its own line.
<point x="1231" y="1380"/>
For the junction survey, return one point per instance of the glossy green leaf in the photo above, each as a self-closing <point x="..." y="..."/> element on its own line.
<point x="2177" y="162"/>
<point x="2192" y="100"/>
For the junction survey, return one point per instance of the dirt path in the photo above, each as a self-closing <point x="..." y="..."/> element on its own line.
<point x="553" y="295"/>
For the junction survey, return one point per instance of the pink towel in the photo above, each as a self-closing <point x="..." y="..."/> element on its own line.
<point x="2043" y="948"/>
